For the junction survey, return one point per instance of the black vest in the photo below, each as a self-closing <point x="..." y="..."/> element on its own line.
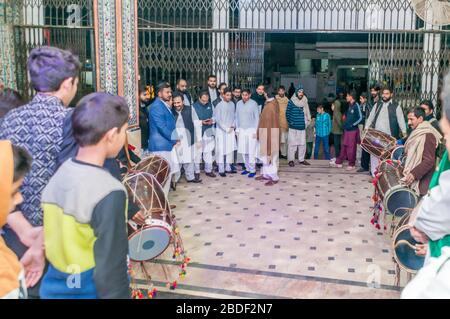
<point x="393" y="123"/>
<point x="186" y="114"/>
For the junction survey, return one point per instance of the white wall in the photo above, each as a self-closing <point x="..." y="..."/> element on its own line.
<point x="345" y="16"/>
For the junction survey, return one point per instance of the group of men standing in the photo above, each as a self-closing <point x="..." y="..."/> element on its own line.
<point x="223" y="126"/>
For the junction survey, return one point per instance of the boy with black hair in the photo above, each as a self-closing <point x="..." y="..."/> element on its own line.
<point x="323" y="129"/>
<point x="85" y="208"/>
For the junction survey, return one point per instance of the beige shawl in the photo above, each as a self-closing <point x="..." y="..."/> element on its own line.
<point x="414" y="148"/>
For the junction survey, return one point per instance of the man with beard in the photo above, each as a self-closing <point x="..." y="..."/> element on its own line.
<point x="374" y="94"/>
<point x="204" y="111"/>
<point x="247" y="118"/>
<point x="282" y="103"/>
<point x="182" y="88"/>
<point x="298" y="117"/>
<point x="237" y="95"/>
<point x="162" y="130"/>
<point x="420" y="152"/>
<point x="212" y="88"/>
<point x="268" y="136"/>
<point x="144" y="102"/>
<point x="259" y="96"/>
<point x="188" y="136"/>
<point x="386" y="116"/>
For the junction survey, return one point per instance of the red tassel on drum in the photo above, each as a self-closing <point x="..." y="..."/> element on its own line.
<point x="152" y="293"/>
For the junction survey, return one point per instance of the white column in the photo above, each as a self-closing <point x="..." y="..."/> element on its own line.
<point x="220" y="42"/>
<point x="33" y="14"/>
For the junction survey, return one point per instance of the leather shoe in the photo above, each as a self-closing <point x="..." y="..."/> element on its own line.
<point x="271" y="183"/>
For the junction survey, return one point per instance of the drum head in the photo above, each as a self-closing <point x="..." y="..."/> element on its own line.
<point x="397" y="153"/>
<point x="400" y="201"/>
<point x="148" y="243"/>
<point x="378" y="143"/>
<point x="144" y="191"/>
<point x="155" y="165"/>
<point x="404" y="254"/>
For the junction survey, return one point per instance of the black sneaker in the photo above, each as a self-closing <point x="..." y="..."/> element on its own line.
<point x="223" y="174"/>
<point x="362" y="170"/>
<point x="291" y="164"/>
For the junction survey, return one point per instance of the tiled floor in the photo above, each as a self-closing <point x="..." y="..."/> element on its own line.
<point x="309" y="236"/>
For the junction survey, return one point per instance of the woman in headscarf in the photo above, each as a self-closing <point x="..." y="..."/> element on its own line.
<point x="14" y="165"/>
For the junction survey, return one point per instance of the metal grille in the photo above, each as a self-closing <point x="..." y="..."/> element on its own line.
<point x="414" y="64"/>
<point x="187" y="40"/>
<point x="67" y="24"/>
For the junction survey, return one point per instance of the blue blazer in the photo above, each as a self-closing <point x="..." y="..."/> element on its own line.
<point x="162" y="130"/>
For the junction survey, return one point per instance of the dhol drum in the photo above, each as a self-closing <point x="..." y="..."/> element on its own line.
<point x="378" y="143"/>
<point x="404" y="248"/>
<point x="397" y="198"/>
<point x="155" y="165"/>
<point x="152" y="239"/>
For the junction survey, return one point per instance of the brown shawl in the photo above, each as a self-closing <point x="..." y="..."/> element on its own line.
<point x="414" y="148"/>
<point x="269" y="129"/>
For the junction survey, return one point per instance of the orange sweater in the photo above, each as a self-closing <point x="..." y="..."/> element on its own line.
<point x="10" y="268"/>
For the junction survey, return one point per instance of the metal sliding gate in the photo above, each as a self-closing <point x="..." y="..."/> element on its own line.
<point x="65" y="24"/>
<point x="193" y="39"/>
<point x="414" y="63"/>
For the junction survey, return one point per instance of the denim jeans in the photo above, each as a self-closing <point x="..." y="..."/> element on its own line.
<point x="326" y="147"/>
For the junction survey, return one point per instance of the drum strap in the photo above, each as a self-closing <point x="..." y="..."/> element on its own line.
<point x="377" y="114"/>
<point x="405" y="242"/>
